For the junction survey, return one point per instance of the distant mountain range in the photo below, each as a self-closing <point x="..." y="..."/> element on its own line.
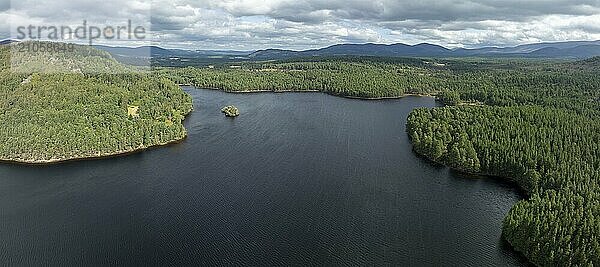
<point x="156" y="51"/>
<point x="573" y="49"/>
<point x="393" y="50"/>
<point x="578" y="49"/>
<point x="7" y="41"/>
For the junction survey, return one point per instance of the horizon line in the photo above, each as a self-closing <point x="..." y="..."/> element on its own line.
<point x="310" y="49"/>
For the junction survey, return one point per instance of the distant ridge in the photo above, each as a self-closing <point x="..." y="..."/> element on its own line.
<point x="565" y="50"/>
<point x="156" y="51"/>
<point x="370" y="49"/>
<point x="8" y="41"/>
<point x="570" y="49"/>
<point x="575" y="49"/>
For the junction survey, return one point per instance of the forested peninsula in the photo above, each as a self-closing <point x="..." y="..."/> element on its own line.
<point x="83" y="104"/>
<point x="540" y="128"/>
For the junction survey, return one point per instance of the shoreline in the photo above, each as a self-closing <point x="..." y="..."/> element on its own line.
<point x="522" y="192"/>
<point x="100" y="156"/>
<point x="250" y="91"/>
<point x="387" y="97"/>
<point x="310" y="91"/>
<point x="140" y="149"/>
<point x="268" y="91"/>
<point x="483" y="175"/>
<point x="106" y="155"/>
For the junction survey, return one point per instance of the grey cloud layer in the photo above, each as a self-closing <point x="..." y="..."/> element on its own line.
<point x="394" y="10"/>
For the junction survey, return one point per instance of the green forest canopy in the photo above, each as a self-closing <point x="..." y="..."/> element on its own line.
<point x="76" y="111"/>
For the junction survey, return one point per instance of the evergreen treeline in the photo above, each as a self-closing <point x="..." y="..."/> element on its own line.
<point x="56" y="116"/>
<point x="51" y="57"/>
<point x="356" y="79"/>
<point x="502" y="83"/>
<point x="554" y="154"/>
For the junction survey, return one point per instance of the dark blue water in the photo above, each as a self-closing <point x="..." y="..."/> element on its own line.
<point x="297" y="179"/>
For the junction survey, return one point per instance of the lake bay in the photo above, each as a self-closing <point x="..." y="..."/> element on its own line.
<point x="296" y="179"/>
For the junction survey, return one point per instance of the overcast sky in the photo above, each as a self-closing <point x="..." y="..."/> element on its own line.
<point x="302" y="24"/>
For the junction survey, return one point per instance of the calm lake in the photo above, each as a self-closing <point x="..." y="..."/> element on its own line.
<point x="297" y="179"/>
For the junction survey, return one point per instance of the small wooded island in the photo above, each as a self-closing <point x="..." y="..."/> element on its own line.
<point x="231" y="111"/>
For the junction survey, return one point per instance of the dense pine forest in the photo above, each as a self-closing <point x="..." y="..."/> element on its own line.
<point x="491" y="82"/>
<point x="552" y="153"/>
<point x="59" y="106"/>
<point x="360" y="78"/>
<point x="540" y="128"/>
<point x="534" y="122"/>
